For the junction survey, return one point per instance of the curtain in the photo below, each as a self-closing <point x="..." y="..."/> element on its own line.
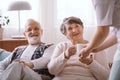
<point x="54" y="11"/>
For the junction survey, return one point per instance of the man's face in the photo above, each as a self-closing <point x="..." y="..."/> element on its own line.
<point x="33" y="33"/>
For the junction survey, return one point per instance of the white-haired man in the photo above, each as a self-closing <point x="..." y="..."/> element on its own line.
<point x="27" y="62"/>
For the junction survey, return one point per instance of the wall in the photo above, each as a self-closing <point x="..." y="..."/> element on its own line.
<point x="8" y="32"/>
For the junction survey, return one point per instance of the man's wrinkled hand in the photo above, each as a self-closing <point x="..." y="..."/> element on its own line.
<point x="29" y="64"/>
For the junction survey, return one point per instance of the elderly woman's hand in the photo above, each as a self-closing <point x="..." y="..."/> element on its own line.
<point x="70" y="51"/>
<point x="88" y="60"/>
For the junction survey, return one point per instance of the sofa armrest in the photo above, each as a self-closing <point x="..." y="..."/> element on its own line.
<point x="4" y="54"/>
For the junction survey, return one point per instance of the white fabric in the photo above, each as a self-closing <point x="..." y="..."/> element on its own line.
<point x="12" y="72"/>
<point x="73" y="77"/>
<point x="38" y="63"/>
<point x="28" y="52"/>
<point x="60" y="67"/>
<point x="43" y="61"/>
<point x="107" y="12"/>
<point x="117" y="54"/>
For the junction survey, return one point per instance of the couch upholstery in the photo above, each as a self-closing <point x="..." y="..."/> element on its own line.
<point x="3" y="54"/>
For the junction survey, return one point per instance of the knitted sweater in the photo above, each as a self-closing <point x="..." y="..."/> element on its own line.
<point x="61" y="67"/>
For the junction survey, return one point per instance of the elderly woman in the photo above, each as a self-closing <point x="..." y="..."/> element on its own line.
<point x="65" y="63"/>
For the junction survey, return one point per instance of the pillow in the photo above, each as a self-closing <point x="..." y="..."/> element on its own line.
<point x="4" y="54"/>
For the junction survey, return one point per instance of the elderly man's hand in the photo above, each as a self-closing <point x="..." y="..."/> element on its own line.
<point x="29" y="64"/>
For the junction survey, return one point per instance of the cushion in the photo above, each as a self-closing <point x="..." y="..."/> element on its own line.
<point x="4" y="54"/>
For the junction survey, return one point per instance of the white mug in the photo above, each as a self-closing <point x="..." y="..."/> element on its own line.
<point x="79" y="47"/>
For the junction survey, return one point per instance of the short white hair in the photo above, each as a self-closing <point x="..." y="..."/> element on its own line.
<point x="31" y="21"/>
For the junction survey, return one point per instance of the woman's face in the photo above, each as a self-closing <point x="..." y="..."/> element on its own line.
<point x="74" y="32"/>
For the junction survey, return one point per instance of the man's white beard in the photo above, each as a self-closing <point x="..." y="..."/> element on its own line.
<point x="34" y="40"/>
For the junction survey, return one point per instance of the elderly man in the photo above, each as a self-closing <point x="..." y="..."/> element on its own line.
<point x="27" y="62"/>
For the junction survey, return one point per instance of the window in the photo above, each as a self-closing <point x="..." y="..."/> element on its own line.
<point x="79" y="8"/>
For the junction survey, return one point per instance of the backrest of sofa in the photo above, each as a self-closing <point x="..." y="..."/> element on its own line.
<point x="4" y="54"/>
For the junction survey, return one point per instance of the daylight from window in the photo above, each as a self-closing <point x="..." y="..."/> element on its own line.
<point x="79" y="8"/>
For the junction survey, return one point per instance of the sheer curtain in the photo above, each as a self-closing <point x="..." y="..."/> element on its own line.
<point x="79" y="8"/>
<point x="48" y="17"/>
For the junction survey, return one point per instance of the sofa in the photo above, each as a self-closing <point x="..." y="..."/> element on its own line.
<point x="4" y="54"/>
